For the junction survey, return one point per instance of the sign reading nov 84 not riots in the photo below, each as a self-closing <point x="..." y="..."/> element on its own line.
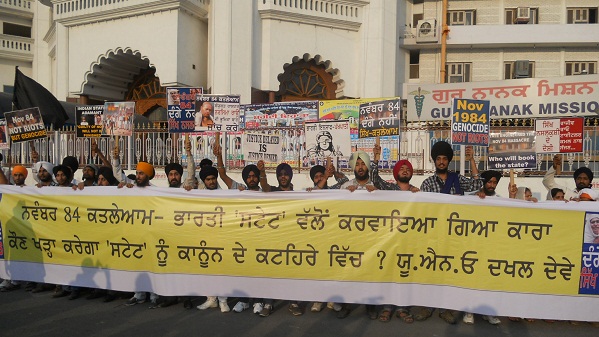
<point x="470" y="122"/>
<point x="379" y="118"/>
<point x="383" y="246"/>
<point x="24" y="125"/>
<point x="560" y="135"/>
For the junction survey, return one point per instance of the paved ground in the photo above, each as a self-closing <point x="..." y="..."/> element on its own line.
<point x="25" y="314"/>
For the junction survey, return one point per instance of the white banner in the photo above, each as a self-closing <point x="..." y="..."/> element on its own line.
<point x="522" y="98"/>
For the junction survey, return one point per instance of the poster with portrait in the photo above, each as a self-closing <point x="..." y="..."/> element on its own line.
<point x="4" y="144"/>
<point x="590" y="255"/>
<point x="280" y="114"/>
<point x="216" y="113"/>
<point x="24" y="125"/>
<point x="380" y="118"/>
<point x="181" y="108"/>
<point x="118" y="118"/>
<point x="89" y="120"/>
<point x="327" y="139"/>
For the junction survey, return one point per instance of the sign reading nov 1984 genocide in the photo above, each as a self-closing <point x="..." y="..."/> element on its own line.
<point x="375" y="248"/>
<point x="512" y="150"/>
<point x="24" y="125"/>
<point x="380" y="118"/>
<point x="470" y="122"/>
<point x="560" y="135"/>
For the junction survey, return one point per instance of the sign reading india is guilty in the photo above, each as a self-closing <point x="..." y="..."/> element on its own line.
<point x="24" y="125"/>
<point x="470" y="122"/>
<point x="522" y="98"/>
<point x="512" y="150"/>
<point x="261" y="146"/>
<point x="560" y="135"/>
<point x="379" y="118"/>
<point x="503" y="257"/>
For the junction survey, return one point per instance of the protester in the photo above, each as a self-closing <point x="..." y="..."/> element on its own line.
<point x="583" y="177"/>
<point x="446" y="182"/>
<point x="402" y="172"/>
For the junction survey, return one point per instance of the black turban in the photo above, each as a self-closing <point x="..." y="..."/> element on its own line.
<point x="584" y="170"/>
<point x="206" y="162"/>
<point x="174" y="166"/>
<point x="442" y="148"/>
<point x="71" y="162"/>
<point x="315" y="169"/>
<point x="207" y="171"/>
<point x="106" y="172"/>
<point x="487" y="175"/>
<point x="284" y="167"/>
<point x="246" y="172"/>
<point x="65" y="170"/>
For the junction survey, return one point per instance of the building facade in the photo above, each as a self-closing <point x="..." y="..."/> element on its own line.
<point x="497" y="40"/>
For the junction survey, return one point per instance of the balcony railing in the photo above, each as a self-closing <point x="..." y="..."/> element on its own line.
<point x="21" y="5"/>
<point x="16" y="47"/>
<point x="66" y="9"/>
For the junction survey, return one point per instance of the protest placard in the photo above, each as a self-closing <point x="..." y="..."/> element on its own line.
<point x="559" y="135"/>
<point x="280" y="114"/>
<point x="380" y="118"/>
<point x="217" y="113"/>
<point x="262" y="146"/>
<point x="89" y="120"/>
<point x="470" y="122"/>
<point x="117" y="119"/>
<point x="24" y="125"/>
<point x="181" y="108"/>
<point x="4" y="144"/>
<point x="327" y="139"/>
<point x="512" y="150"/>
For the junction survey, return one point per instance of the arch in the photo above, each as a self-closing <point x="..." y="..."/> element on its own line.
<point x="110" y="76"/>
<point x="147" y="92"/>
<point x="321" y="74"/>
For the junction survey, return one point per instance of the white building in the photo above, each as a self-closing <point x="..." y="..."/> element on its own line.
<point x="96" y="50"/>
<point x="496" y="40"/>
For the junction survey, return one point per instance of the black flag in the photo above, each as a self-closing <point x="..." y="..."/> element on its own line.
<point x="29" y="94"/>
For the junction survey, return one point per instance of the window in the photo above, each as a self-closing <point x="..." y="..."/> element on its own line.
<point x="461" y="18"/>
<point x="458" y="72"/>
<point x="414" y="64"/>
<point x="518" y="69"/>
<point x="582" y="15"/>
<point x="16" y="30"/>
<point x="581" y="68"/>
<point x="515" y="16"/>
<point x="9" y="89"/>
